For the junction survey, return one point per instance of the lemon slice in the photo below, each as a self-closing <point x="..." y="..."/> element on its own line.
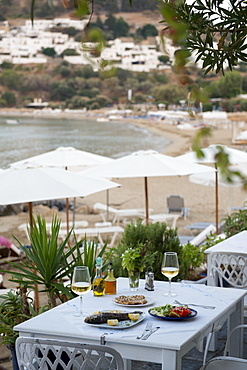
<point x="133" y="316"/>
<point x="112" y="322"/>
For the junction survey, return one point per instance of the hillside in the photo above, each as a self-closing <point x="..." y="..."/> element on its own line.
<point x="14" y="9"/>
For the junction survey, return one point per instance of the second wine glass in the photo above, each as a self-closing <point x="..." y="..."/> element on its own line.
<point x="81" y="284"/>
<point x="170" y="269"/>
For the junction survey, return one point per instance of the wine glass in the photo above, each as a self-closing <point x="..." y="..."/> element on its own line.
<point x="170" y="268"/>
<point x="81" y="284"/>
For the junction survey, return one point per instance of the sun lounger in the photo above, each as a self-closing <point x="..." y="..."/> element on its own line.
<point x="13" y="253"/>
<point x="175" y="204"/>
<point x="63" y="226"/>
<point x="164" y="217"/>
<point x="101" y="233"/>
<point x="118" y="214"/>
<point x="203" y="225"/>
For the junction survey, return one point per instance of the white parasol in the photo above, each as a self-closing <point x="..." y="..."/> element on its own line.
<point x="66" y="158"/>
<point x="145" y="163"/>
<point x="35" y="183"/>
<point x="235" y="156"/>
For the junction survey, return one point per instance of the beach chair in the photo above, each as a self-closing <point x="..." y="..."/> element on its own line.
<point x="200" y="238"/>
<point x="40" y="354"/>
<point x="163" y="217"/>
<point x="100" y="234"/>
<point x="118" y="215"/>
<point x="10" y="253"/>
<point x="175" y="204"/>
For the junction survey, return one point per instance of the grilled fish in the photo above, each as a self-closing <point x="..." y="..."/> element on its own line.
<point x="101" y="318"/>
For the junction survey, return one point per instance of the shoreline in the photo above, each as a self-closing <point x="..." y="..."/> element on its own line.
<point x="179" y="140"/>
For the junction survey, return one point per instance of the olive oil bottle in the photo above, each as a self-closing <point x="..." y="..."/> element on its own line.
<point x="98" y="282"/>
<point x="110" y="281"/>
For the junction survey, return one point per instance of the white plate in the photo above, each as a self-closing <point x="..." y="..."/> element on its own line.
<point x="149" y="302"/>
<point x="121" y="324"/>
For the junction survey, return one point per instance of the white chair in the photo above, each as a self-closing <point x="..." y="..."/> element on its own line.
<point x="226" y="362"/>
<point x="118" y="214"/>
<point x="229" y="268"/>
<point x="46" y="354"/>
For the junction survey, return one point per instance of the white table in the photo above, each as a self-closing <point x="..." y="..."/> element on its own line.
<point x="235" y="244"/>
<point x="167" y="346"/>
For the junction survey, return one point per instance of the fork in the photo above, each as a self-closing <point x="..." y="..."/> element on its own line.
<point x="147" y="328"/>
<point x="197" y="305"/>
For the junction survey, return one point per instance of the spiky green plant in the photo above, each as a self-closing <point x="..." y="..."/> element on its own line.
<point x="47" y="261"/>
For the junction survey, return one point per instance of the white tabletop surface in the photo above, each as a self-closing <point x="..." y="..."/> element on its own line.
<point x="236" y="244"/>
<point x="173" y="339"/>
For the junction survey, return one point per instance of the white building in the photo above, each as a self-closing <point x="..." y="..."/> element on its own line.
<point x="24" y="45"/>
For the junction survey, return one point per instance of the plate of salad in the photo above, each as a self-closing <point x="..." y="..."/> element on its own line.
<point x="169" y="312"/>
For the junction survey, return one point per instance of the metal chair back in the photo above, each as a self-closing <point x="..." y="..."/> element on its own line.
<point x="230" y="268"/>
<point x="47" y="354"/>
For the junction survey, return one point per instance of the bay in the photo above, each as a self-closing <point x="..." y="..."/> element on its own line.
<point x="36" y="135"/>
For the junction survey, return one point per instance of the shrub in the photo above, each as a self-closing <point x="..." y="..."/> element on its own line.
<point x="157" y="237"/>
<point x="9" y="98"/>
<point x="235" y="223"/>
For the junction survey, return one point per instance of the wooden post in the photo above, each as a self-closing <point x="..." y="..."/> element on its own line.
<point x="146" y="199"/>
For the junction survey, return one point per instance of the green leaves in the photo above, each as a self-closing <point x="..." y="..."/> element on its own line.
<point x="213" y="32"/>
<point x="46" y="262"/>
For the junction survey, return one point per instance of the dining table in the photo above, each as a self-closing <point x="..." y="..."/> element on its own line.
<point x="167" y="346"/>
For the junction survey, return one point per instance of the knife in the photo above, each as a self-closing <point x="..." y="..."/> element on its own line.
<point x="147" y="329"/>
<point x="150" y="332"/>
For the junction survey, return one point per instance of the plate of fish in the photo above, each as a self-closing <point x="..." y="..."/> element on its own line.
<point x="115" y="319"/>
<point x="133" y="300"/>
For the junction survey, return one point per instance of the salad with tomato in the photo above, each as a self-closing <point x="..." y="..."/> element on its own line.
<point x="171" y="311"/>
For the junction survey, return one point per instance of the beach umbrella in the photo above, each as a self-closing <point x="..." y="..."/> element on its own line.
<point x="208" y="179"/>
<point x="68" y="158"/>
<point x="27" y="184"/>
<point x="210" y="153"/>
<point x="145" y="163"/>
<point x="34" y="183"/>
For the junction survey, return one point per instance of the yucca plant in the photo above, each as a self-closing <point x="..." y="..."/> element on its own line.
<point x="47" y="261"/>
<point x="86" y="253"/>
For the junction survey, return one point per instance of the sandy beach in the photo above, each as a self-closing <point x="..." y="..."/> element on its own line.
<point x="198" y="198"/>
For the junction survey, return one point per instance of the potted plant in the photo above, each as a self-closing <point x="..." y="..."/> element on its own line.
<point x="135" y="260"/>
<point x="16" y="307"/>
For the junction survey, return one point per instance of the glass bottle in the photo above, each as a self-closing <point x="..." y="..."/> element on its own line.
<point x="98" y="282"/>
<point x="110" y="281"/>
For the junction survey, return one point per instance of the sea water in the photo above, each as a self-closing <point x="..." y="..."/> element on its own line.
<point x="36" y="135"/>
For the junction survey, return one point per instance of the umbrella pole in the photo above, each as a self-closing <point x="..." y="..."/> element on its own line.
<point x="30" y="212"/>
<point x="216" y="200"/>
<point x="67" y="214"/>
<point x="146" y="199"/>
<point x="107" y="205"/>
<point x="36" y="292"/>
<point x="67" y="208"/>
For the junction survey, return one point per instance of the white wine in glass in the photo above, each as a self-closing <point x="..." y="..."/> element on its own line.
<point x="170" y="269"/>
<point x="81" y="284"/>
